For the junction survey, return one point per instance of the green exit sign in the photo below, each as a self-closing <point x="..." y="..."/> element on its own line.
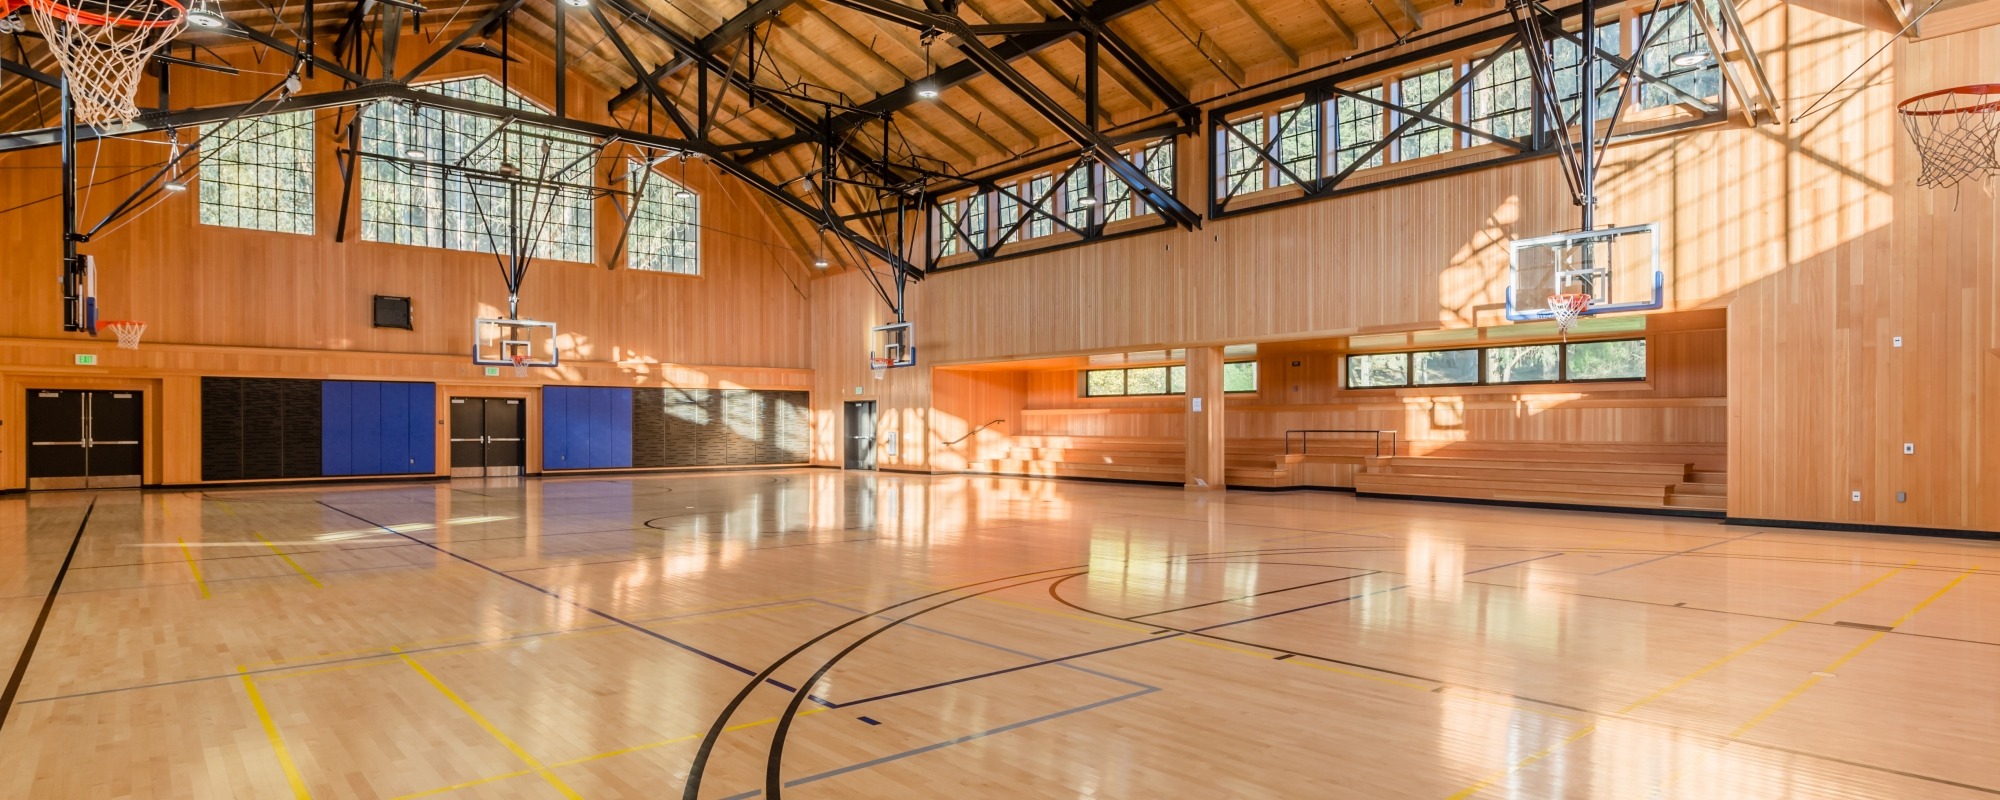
<point x="86" y="359"/>
<point x="492" y="372"/>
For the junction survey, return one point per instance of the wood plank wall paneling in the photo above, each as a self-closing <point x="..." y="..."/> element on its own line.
<point x="844" y="308"/>
<point x="1812" y="236"/>
<point x="212" y="285"/>
<point x="230" y="301"/>
<point x="1823" y="400"/>
<point x="964" y="400"/>
<point x="1205" y="413"/>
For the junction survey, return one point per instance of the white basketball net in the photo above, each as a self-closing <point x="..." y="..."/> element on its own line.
<point x="1567" y="308"/>
<point x="103" y="53"/>
<point x="128" y="333"/>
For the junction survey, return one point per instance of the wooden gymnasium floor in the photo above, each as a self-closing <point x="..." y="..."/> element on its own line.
<point x="967" y="637"/>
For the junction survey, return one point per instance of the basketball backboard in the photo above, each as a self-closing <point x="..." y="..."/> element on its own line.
<point x="1619" y="268"/>
<point x="514" y="343"/>
<point x="891" y="345"/>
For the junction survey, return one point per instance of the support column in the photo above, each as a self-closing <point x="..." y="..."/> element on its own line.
<point x="1207" y="443"/>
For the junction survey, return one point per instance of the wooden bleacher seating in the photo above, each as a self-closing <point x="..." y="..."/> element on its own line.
<point x="1680" y="477"/>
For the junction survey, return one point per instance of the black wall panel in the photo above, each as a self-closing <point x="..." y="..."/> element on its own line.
<point x="259" y="428"/>
<point x="221" y="429"/>
<point x="719" y="427"/>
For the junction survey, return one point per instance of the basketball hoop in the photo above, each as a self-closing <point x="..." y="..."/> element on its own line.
<point x="1567" y="308"/>
<point x="103" y="47"/>
<point x="520" y="366"/>
<point x="128" y="331"/>
<point x="879" y="366"/>
<point x="1957" y="133"/>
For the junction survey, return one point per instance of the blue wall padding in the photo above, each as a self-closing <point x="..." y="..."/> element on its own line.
<point x="377" y="428"/>
<point x="586" y="427"/>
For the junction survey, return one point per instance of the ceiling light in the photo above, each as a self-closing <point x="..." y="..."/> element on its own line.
<point x="822" y="263"/>
<point x="416" y="154"/>
<point x="1692" y="58"/>
<point x="174" y="186"/>
<point x="927" y="91"/>
<point x="1087" y="202"/>
<point x="576" y="3"/>
<point x="682" y="193"/>
<point x="508" y="169"/>
<point x="205" y="15"/>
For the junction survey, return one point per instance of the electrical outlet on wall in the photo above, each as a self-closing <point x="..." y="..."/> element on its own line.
<point x="1857" y="495"/>
<point x="1909" y="448"/>
<point x="1896" y="341"/>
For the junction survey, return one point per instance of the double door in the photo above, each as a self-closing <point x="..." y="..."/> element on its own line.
<point x="488" y="437"/>
<point x="85" y="439"/>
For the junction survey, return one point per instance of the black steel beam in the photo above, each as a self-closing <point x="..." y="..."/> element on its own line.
<point x="759" y="96"/>
<point x="723" y="36"/>
<point x="1129" y="56"/>
<point x="503" y="9"/>
<point x="350" y="31"/>
<point x="1093" y="141"/>
<point x="274" y="43"/>
<point x="1012" y="48"/>
<point x="632" y="61"/>
<point x="25" y="71"/>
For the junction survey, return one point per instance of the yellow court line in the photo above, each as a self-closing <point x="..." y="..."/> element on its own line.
<point x="1812" y="680"/>
<point x="597" y="756"/>
<point x="288" y="560"/>
<point x="466" y="785"/>
<point x="533" y="763"/>
<point x="1480" y="785"/>
<point x="1759" y="642"/>
<point x="194" y="568"/>
<point x="277" y="740"/>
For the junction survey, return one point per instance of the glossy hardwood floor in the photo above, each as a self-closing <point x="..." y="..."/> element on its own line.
<point x="813" y="633"/>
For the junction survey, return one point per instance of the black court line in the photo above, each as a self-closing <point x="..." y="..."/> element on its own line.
<point x="692" y="789"/>
<point x="587" y="609"/>
<point x="1364" y="574"/>
<point x="410" y="651"/>
<point x="774" y="782"/>
<point x="42" y="619"/>
<point x="1174" y="633"/>
<point x="1671" y="555"/>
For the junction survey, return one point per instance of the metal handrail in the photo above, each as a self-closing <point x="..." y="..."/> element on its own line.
<point x="969" y="434"/>
<point x="1303" y="433"/>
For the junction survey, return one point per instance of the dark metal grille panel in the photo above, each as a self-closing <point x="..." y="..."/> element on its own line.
<point x="718" y="427"/>
<point x="221" y="429"/>
<point x="259" y="428"/>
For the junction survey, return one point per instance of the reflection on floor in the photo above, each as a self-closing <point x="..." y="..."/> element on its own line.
<point x="824" y="634"/>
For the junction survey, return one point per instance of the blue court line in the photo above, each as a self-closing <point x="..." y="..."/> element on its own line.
<point x="1671" y="555"/>
<point x="944" y="744"/>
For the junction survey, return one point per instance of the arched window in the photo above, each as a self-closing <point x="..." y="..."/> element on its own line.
<point x="666" y="224"/>
<point x="441" y="178"/>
